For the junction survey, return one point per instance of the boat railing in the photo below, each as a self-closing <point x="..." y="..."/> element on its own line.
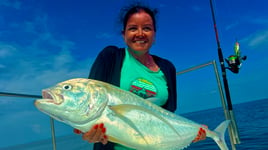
<point x="229" y="114"/>
<point x="53" y="137"/>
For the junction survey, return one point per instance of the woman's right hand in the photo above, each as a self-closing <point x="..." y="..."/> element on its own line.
<point x="95" y="134"/>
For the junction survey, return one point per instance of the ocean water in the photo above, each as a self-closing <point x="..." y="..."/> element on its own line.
<point x="252" y="122"/>
<point x="251" y="117"/>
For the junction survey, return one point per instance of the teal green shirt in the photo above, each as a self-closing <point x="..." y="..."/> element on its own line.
<point x="138" y="79"/>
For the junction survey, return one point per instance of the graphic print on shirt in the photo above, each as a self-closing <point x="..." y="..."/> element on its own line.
<point x="143" y="88"/>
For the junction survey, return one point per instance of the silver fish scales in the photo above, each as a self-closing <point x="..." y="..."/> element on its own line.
<point x="130" y="120"/>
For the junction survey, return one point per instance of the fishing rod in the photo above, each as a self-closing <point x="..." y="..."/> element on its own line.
<point x="235" y="137"/>
<point x="19" y="95"/>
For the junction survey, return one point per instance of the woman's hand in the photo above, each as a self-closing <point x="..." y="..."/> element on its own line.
<point x="95" y="134"/>
<point x="201" y="135"/>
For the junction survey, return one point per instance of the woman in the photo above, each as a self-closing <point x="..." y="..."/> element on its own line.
<point x="134" y="69"/>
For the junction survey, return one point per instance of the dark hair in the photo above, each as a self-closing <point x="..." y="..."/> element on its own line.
<point x="136" y="7"/>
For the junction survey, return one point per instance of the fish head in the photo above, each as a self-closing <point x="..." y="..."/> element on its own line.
<point x="75" y="101"/>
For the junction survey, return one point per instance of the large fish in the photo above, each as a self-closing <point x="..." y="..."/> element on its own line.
<point x="130" y="120"/>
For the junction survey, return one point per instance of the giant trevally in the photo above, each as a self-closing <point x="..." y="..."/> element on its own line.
<point x="130" y="120"/>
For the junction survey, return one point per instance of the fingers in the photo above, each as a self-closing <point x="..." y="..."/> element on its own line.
<point x="96" y="134"/>
<point x="93" y="135"/>
<point x="201" y="135"/>
<point x="205" y="126"/>
<point x="76" y="131"/>
<point x="104" y="140"/>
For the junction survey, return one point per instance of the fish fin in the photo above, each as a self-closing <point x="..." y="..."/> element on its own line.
<point x="220" y="130"/>
<point x="153" y="99"/>
<point x="124" y="108"/>
<point x="156" y="100"/>
<point x="119" y="110"/>
<point x="115" y="140"/>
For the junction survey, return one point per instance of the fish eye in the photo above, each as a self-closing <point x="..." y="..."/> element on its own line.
<point x="67" y="87"/>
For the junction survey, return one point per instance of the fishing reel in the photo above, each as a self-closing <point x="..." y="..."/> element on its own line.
<point x="235" y="61"/>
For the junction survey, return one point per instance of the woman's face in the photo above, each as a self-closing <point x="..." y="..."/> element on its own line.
<point x="139" y="33"/>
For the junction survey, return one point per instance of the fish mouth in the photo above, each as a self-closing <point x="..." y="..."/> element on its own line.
<point x="52" y="97"/>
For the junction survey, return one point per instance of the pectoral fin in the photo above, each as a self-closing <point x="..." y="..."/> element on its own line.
<point x="120" y="110"/>
<point x="123" y="109"/>
<point x="115" y="140"/>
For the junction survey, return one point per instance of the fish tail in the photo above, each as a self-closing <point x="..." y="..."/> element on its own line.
<point x="220" y="131"/>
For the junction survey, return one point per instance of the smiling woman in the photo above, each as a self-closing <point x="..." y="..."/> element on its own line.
<point x="134" y="68"/>
<point x="139" y="34"/>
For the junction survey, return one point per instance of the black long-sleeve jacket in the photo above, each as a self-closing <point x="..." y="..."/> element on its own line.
<point x="107" y="68"/>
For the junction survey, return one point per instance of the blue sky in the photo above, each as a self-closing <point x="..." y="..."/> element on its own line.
<point x="45" y="42"/>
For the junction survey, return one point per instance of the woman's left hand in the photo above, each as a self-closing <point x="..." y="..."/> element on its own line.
<point x="95" y="134"/>
<point x="201" y="135"/>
